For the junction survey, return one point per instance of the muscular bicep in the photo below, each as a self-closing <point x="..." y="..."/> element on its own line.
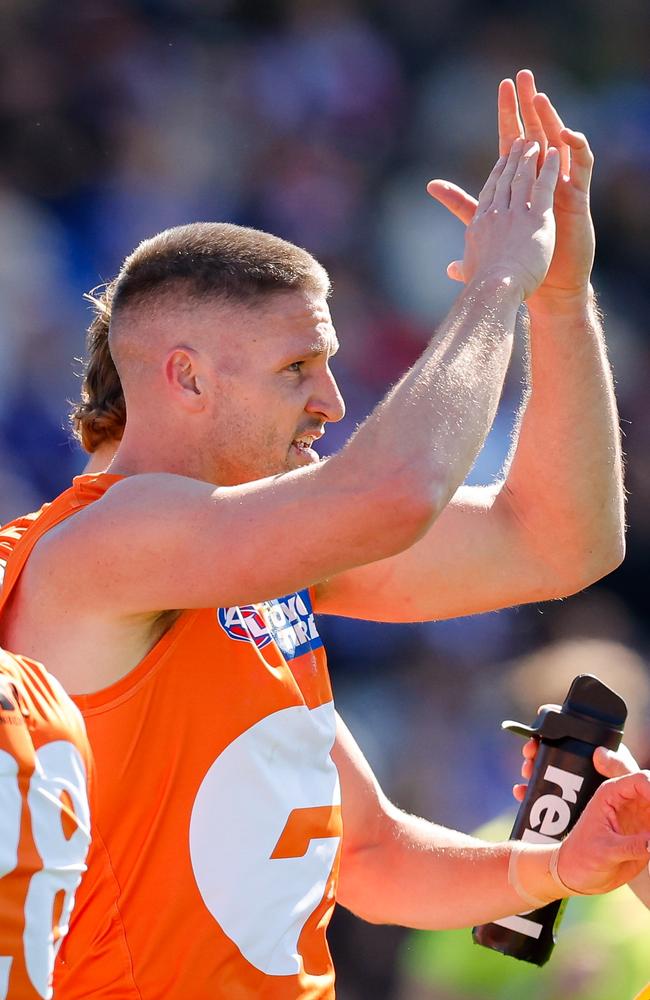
<point x="159" y="541"/>
<point x="477" y="556"/>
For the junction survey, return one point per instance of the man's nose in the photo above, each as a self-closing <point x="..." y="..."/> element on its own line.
<point x="327" y="400"/>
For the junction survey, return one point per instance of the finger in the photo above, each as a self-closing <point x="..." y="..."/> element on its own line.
<point x="525" y="176"/>
<point x="519" y="792"/>
<point x="454" y="199"/>
<point x="455" y="271"/>
<point x="614" y="763"/>
<point x="503" y="185"/>
<point x="487" y="194"/>
<point x="553" y="125"/>
<point x="582" y="159"/>
<point x="530" y="748"/>
<point x="510" y="126"/>
<point x="533" y="128"/>
<point x="527" y="769"/>
<point x="544" y="188"/>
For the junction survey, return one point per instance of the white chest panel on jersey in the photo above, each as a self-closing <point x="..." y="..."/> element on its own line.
<point x="277" y="767"/>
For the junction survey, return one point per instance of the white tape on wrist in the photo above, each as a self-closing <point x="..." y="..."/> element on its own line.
<point x="555" y="875"/>
<point x="515" y="881"/>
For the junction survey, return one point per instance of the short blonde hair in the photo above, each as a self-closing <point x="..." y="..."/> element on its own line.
<point x="200" y="260"/>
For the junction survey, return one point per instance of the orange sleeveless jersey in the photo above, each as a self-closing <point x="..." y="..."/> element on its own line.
<point x="217" y="825"/>
<point x="44" y="823"/>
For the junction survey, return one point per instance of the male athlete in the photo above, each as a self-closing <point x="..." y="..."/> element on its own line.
<point x="222" y="795"/>
<point x="44" y="822"/>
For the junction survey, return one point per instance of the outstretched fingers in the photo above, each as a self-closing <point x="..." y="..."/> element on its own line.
<point x="544" y="187"/>
<point x="487" y="193"/>
<point x="502" y="189"/>
<point x="510" y="124"/>
<point x="533" y="127"/>
<point x="553" y="125"/>
<point x="525" y="175"/>
<point x="582" y="159"/>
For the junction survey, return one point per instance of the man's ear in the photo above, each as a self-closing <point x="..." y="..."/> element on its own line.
<point x="183" y="377"/>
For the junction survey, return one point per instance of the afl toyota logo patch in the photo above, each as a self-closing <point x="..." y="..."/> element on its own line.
<point x="289" y="620"/>
<point x="245" y="624"/>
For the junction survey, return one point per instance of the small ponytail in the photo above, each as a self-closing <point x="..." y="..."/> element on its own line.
<point x="100" y="415"/>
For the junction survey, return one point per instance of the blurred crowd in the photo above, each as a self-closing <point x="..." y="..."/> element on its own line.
<point x="321" y="121"/>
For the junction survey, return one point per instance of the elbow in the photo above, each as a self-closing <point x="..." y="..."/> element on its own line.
<point x="606" y="551"/>
<point x="408" y="504"/>
<point x="614" y="554"/>
<point x="392" y="505"/>
<point x="586" y="568"/>
<point x="604" y="561"/>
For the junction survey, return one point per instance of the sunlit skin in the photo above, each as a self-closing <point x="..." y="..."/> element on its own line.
<point x="224" y="394"/>
<point x="522" y="111"/>
<point x="237" y="394"/>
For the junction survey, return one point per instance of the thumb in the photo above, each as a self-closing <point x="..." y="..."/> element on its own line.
<point x="455" y="200"/>
<point x="614" y="763"/>
<point x="455" y="270"/>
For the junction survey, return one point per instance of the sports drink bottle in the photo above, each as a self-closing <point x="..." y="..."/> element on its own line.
<point x="563" y="781"/>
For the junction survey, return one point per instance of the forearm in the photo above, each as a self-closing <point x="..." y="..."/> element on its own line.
<point x="425" y="876"/>
<point x="434" y="422"/>
<point x="565" y="477"/>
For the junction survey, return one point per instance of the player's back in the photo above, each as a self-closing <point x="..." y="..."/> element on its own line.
<point x="44" y="823"/>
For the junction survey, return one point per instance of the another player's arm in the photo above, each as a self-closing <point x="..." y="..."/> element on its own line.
<point x="556" y="522"/>
<point x="162" y="541"/>
<point x="400" y="869"/>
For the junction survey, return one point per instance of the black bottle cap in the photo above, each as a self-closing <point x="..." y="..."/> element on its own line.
<point x="591" y="712"/>
<point x="591" y="698"/>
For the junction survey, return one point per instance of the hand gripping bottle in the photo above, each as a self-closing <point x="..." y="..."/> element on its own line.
<point x="563" y="781"/>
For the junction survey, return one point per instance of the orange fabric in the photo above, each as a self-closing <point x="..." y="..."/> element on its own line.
<point x="217" y="827"/>
<point x="44" y="823"/>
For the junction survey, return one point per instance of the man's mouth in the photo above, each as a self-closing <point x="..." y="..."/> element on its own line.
<point x="303" y="442"/>
<point x="304" y="446"/>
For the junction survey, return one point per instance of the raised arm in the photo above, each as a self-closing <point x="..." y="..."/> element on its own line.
<point x="555" y="522"/>
<point x="565" y="480"/>
<point x="401" y="869"/>
<point x="170" y="542"/>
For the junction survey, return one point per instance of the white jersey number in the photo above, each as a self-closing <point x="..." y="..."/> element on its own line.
<point x="58" y="781"/>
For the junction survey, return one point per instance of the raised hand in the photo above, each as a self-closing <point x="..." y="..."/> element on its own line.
<point x="512" y="231"/>
<point x="524" y="112"/>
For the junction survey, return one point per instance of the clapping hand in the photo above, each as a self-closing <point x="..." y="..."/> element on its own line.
<point x="522" y="112"/>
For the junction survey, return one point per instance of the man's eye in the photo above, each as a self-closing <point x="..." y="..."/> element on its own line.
<point x="295" y="366"/>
